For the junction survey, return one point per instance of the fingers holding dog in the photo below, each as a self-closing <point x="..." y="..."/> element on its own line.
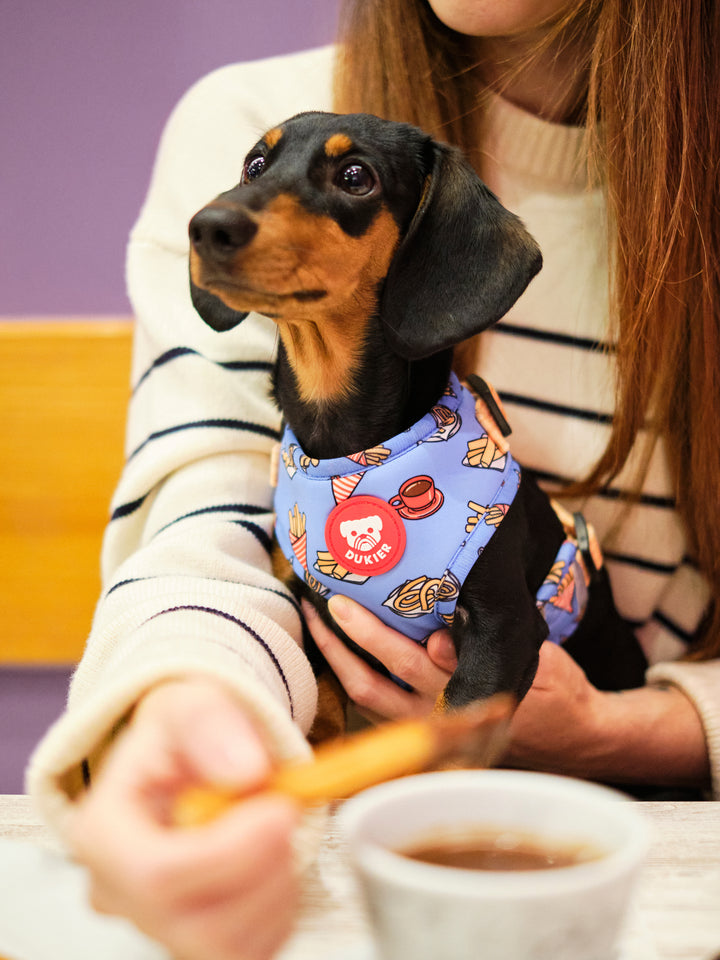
<point x="373" y="693"/>
<point x="403" y="657"/>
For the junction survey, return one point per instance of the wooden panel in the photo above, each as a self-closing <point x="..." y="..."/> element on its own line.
<point x="64" y="387"/>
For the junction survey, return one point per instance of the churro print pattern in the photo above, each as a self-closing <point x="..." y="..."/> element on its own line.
<point x="415" y="598"/>
<point x="398" y="527"/>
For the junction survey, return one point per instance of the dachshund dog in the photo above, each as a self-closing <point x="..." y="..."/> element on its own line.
<point x="375" y="250"/>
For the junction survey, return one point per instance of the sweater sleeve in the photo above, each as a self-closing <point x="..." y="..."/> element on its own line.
<point x="700" y="682"/>
<point x="187" y="581"/>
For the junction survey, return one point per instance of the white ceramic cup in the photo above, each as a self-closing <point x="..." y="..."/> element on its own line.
<point x="420" y="911"/>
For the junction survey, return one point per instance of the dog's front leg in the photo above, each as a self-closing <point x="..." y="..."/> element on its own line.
<point x="497" y="649"/>
<point x="498" y="628"/>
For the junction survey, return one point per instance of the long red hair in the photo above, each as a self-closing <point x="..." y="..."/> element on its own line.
<point x="648" y="88"/>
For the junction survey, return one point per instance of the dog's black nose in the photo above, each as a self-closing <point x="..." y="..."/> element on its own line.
<point x="218" y="232"/>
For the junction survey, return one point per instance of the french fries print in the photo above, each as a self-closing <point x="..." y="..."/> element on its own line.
<point x="562" y="578"/>
<point x="298" y="535"/>
<point x="488" y="515"/>
<point x="306" y="462"/>
<point x="315" y="585"/>
<point x="288" y="455"/>
<point x="563" y="595"/>
<point x="372" y="457"/>
<point x="344" y="487"/>
<point x="328" y="566"/>
<point x="288" y="459"/>
<point x="485" y="453"/>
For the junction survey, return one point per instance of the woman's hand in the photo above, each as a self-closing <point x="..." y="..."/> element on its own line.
<point x="557" y="726"/>
<point x="224" y="891"/>
<point x="563" y="724"/>
<point x="649" y="735"/>
<point x="426" y="669"/>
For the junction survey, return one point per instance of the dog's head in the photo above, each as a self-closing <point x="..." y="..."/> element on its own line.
<point x="340" y="219"/>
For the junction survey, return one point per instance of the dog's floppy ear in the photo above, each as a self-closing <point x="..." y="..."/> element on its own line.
<point x="213" y="311"/>
<point x="462" y="264"/>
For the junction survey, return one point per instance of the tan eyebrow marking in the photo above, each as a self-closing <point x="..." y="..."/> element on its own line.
<point x="273" y="136"/>
<point x="338" y="144"/>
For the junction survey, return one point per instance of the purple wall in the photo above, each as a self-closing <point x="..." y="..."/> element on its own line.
<point x="85" y="89"/>
<point x="30" y="700"/>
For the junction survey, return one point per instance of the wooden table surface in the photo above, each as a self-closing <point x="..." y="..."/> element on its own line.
<point x="678" y="899"/>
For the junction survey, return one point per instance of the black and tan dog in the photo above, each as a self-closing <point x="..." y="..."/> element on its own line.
<point x="375" y="250"/>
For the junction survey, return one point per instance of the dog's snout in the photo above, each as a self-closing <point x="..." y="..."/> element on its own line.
<point x="217" y="233"/>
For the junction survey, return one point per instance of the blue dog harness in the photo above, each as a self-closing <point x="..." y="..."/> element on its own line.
<point x="398" y="527"/>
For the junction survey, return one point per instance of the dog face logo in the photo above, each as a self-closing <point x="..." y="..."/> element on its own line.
<point x="365" y="535"/>
<point x="362" y="534"/>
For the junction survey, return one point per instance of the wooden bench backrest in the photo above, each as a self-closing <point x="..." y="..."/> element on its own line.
<point x="64" y="387"/>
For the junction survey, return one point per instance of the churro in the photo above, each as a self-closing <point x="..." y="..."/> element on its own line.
<point x="474" y="736"/>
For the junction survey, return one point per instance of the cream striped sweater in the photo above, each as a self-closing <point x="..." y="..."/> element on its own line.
<point x="186" y="572"/>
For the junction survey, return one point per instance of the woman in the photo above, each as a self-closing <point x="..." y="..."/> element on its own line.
<point x="590" y="64"/>
<point x="579" y="115"/>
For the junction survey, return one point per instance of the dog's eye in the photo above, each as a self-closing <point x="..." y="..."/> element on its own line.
<point x="355" y="178"/>
<point x="254" y="167"/>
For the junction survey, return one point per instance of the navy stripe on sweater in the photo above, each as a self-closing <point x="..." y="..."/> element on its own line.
<point x="240" y="623"/>
<point x="652" y="566"/>
<point x="254" y="528"/>
<point x="250" y="586"/>
<point x="243" y="508"/>
<point x="549" y="336"/>
<point x="266" y="542"/>
<point x="251" y="509"/>
<point x="125" y="509"/>
<point x="672" y="627"/>
<point x="221" y="423"/>
<point x="608" y="493"/>
<point x="252" y="366"/>
<point x="546" y="406"/>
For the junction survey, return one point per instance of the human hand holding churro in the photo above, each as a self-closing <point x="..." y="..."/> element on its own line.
<point x="227" y="890"/>
<point x="474" y="736"/>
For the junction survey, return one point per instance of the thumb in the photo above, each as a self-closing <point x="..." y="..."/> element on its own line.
<point x="212" y="734"/>
<point x="441" y="650"/>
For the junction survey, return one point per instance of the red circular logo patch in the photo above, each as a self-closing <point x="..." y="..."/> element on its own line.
<point x="365" y="535"/>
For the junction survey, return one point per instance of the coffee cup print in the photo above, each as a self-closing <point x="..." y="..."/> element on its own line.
<point x="417" y="498"/>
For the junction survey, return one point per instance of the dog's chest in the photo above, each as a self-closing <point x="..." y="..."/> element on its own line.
<point x="399" y="526"/>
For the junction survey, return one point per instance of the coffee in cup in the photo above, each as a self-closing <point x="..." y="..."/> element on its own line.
<point x="550" y="911"/>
